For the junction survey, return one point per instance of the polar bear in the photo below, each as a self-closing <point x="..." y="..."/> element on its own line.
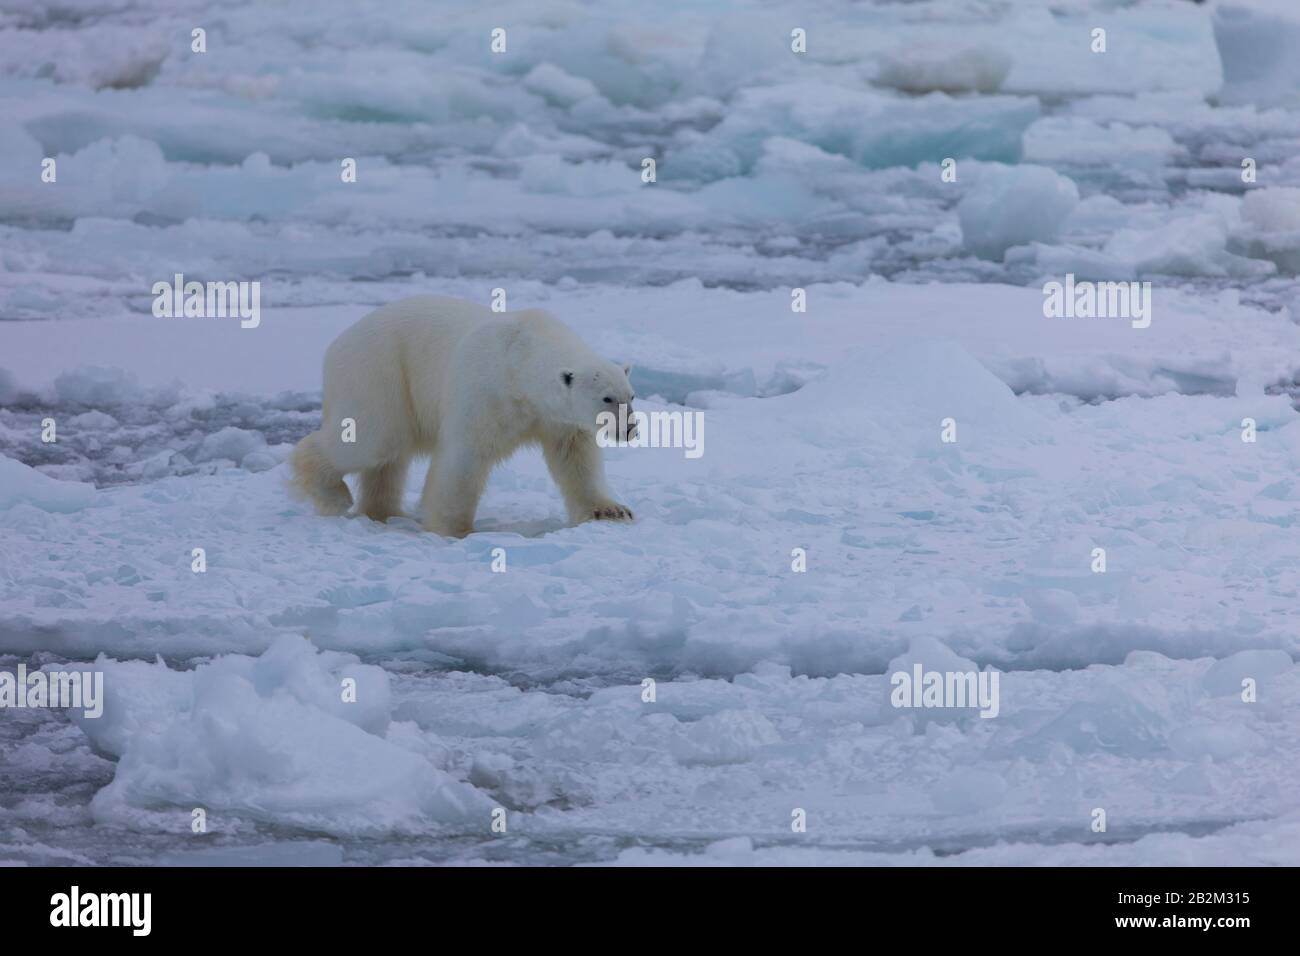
<point x="467" y="386"/>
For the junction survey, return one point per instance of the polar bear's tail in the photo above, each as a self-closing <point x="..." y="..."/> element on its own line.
<point x="316" y="479"/>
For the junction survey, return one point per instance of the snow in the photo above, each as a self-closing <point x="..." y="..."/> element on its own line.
<point x="674" y="691"/>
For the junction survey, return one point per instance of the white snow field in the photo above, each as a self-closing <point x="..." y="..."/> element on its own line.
<point x="828" y="536"/>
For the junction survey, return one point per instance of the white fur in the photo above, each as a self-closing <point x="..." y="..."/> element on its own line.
<point x="453" y="380"/>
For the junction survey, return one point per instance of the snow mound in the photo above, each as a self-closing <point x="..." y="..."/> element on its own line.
<point x="902" y="391"/>
<point x="1012" y="206"/>
<point x="230" y="443"/>
<point x="1270" y="228"/>
<point x="1263" y="667"/>
<point x="21" y="485"/>
<point x="269" y="739"/>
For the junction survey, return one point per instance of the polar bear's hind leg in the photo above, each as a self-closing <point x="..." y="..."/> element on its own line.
<point x="316" y="479"/>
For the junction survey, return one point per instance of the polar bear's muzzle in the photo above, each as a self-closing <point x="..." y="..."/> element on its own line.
<point x="627" y="421"/>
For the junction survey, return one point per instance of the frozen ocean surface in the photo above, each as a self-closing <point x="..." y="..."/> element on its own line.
<point x="524" y="690"/>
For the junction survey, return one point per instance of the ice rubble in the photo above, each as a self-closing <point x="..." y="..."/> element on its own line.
<point x="1257" y="40"/>
<point x="235" y="170"/>
<point x="872" y="129"/>
<point x="978" y="69"/>
<point x="1150" y="740"/>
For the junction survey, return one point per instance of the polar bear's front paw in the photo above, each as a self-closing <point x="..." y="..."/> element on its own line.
<point x="611" y="511"/>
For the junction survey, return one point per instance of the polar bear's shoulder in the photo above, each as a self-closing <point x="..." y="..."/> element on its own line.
<point x="426" y="307"/>
<point x="432" y="308"/>
<point x="426" y="322"/>
<point x="542" y="327"/>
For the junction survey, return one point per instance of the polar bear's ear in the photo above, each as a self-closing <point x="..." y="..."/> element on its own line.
<point x="567" y="377"/>
<point x="627" y="369"/>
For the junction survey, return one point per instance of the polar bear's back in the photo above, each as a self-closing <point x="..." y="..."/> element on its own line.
<point x="386" y="372"/>
<point x="421" y="322"/>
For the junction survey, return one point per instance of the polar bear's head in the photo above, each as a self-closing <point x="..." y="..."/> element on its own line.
<point x="591" y="390"/>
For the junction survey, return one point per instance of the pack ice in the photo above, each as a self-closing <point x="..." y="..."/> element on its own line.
<point x="920" y="474"/>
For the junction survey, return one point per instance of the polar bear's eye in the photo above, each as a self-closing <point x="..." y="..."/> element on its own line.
<point x="608" y="400"/>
